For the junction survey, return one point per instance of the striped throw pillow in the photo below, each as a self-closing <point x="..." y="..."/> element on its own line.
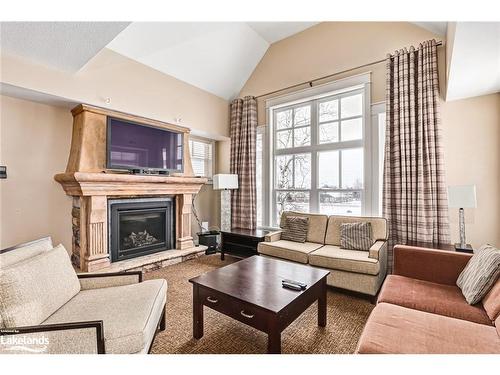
<point x="356" y="236"/>
<point x="295" y="229"/>
<point x="480" y="274"/>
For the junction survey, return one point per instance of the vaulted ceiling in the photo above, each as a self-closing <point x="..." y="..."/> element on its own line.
<point x="219" y="57"/>
<point x="215" y="56"/>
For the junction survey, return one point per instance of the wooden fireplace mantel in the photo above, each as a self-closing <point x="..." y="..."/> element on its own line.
<point x="90" y="184"/>
<point x="115" y="184"/>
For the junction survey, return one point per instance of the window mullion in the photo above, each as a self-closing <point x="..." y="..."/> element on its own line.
<point x="313" y="195"/>
<point x="340" y="169"/>
<point x="350" y="118"/>
<point x="272" y="169"/>
<point x="339" y="119"/>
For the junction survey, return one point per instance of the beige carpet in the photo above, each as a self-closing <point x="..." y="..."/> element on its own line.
<point x="346" y="318"/>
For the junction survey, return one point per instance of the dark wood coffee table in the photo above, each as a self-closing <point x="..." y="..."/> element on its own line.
<point x="250" y="291"/>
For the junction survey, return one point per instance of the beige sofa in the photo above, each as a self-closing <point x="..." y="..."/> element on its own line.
<point x="359" y="271"/>
<point x="45" y="307"/>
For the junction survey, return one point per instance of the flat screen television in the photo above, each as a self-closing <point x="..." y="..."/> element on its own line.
<point x="137" y="146"/>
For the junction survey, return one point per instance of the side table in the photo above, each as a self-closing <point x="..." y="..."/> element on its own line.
<point x="241" y="242"/>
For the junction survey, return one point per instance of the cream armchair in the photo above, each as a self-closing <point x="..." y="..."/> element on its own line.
<point x="47" y="308"/>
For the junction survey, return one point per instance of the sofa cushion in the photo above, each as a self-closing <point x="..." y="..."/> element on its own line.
<point x="379" y="227"/>
<point x="129" y="313"/>
<point x="491" y="301"/>
<point x="335" y="258"/>
<point x="356" y="236"/>
<point x="25" y="251"/>
<point x="446" y="300"/>
<point x="480" y="274"/>
<point x="395" y="329"/>
<point x="288" y="250"/>
<point x="317" y="225"/>
<point x="295" y="229"/>
<point x="32" y="290"/>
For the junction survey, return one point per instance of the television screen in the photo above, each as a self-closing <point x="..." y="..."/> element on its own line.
<point x="132" y="145"/>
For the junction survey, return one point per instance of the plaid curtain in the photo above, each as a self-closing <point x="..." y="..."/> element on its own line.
<point x="243" y="153"/>
<point x="415" y="200"/>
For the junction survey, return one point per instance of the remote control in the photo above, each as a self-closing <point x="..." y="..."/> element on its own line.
<point x="291" y="286"/>
<point x="302" y="285"/>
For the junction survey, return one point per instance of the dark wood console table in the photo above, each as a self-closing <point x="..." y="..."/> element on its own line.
<point x="241" y="242"/>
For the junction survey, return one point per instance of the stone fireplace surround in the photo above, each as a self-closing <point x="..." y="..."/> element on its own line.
<point x="91" y="185"/>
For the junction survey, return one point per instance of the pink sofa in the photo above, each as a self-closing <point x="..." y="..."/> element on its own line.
<point x="420" y="309"/>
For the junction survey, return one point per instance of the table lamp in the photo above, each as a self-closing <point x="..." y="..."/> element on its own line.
<point x="225" y="182"/>
<point x="462" y="196"/>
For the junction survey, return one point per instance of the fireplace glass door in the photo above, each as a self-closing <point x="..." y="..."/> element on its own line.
<point x="140" y="227"/>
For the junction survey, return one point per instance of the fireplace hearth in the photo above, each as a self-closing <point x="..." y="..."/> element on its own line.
<point x="140" y="226"/>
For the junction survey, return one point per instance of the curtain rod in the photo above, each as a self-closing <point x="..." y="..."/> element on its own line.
<point x="310" y="82"/>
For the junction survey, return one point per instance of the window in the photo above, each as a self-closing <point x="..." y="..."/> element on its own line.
<point x="321" y="155"/>
<point x="202" y="151"/>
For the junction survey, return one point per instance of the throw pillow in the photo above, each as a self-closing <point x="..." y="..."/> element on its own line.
<point x="356" y="236"/>
<point x="480" y="273"/>
<point x="295" y="229"/>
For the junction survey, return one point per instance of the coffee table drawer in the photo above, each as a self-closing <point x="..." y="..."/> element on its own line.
<point x="215" y="300"/>
<point x="236" y="309"/>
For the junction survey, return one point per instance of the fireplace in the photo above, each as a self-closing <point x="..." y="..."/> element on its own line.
<point x="140" y="226"/>
<point x="94" y="188"/>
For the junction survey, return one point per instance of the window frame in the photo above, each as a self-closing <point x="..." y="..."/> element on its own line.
<point x="261" y="184"/>
<point x="314" y="96"/>
<point x="213" y="161"/>
<point x="378" y="145"/>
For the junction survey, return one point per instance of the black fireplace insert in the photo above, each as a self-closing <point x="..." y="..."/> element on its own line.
<point x="140" y="226"/>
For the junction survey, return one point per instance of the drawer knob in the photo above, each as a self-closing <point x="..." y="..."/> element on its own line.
<point x="212" y="300"/>
<point x="249" y="316"/>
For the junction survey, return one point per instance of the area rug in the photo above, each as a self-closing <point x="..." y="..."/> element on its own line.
<point x="347" y="316"/>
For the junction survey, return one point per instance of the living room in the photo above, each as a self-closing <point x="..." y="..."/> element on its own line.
<point x="198" y="185"/>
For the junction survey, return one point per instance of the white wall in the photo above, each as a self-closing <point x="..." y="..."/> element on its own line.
<point x="35" y="141"/>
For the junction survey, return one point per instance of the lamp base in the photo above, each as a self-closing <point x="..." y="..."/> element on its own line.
<point x="467" y="248"/>
<point x="225" y="210"/>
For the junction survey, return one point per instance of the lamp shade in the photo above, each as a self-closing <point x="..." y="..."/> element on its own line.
<point x="225" y="181"/>
<point x="462" y="196"/>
